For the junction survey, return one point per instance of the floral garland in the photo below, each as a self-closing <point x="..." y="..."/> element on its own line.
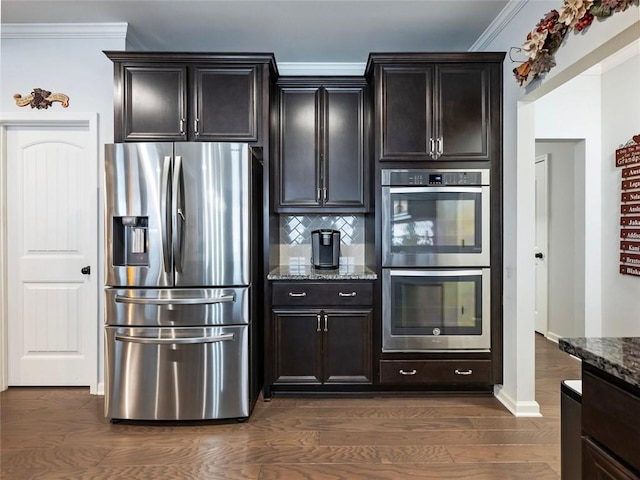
<point x="545" y="40"/>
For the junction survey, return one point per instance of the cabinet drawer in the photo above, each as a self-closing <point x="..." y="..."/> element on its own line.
<point x="341" y="294"/>
<point x="610" y="416"/>
<point x="449" y="372"/>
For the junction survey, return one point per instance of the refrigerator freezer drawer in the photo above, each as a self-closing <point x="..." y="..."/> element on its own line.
<point x="177" y="373"/>
<point x="177" y="307"/>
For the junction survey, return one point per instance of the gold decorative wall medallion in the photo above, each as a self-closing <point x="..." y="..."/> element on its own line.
<point x="40" y="99"/>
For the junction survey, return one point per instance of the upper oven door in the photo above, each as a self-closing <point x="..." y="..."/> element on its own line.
<point x="435" y="226"/>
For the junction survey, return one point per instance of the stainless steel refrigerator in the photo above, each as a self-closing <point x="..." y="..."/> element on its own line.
<point x="182" y="232"/>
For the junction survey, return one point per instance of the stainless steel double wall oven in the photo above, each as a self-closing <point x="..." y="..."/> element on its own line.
<point x="436" y="260"/>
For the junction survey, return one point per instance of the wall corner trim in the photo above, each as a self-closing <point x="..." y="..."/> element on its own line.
<point x="499" y="23"/>
<point x="64" y="30"/>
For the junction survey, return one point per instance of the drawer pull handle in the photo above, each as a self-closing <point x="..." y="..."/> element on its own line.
<point x="318" y="327"/>
<point x="342" y="294"/>
<point x="293" y="294"/>
<point x="408" y="372"/>
<point x="463" y="372"/>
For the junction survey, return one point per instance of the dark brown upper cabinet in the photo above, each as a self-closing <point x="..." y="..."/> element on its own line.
<point x="224" y="103"/>
<point x="154" y="106"/>
<point x="321" y="148"/>
<point x="442" y="107"/>
<point x="189" y="97"/>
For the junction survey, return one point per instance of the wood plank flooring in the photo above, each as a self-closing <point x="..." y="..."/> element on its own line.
<point x="61" y="433"/>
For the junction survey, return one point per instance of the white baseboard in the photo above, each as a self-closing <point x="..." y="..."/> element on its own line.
<point x="554" y="337"/>
<point x="99" y="389"/>
<point x="518" y="409"/>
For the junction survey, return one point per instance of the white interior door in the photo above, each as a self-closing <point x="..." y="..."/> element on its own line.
<point x="542" y="193"/>
<point x="51" y="236"/>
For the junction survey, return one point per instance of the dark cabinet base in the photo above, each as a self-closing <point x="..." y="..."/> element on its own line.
<point x="600" y="465"/>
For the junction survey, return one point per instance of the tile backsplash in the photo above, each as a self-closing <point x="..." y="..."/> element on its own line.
<point x="295" y="237"/>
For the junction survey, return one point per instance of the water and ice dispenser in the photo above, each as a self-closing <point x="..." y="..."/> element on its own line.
<point x="130" y="237"/>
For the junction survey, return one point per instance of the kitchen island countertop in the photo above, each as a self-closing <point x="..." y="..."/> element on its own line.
<point x="619" y="357"/>
<point x="307" y="272"/>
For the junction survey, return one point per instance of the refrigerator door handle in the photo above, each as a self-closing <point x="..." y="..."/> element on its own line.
<point x="166" y="208"/>
<point x="225" y="337"/>
<point x="178" y="214"/>
<point x="175" y="301"/>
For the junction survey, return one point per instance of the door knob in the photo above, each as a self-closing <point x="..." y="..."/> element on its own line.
<point x="539" y="255"/>
<point x="85" y="270"/>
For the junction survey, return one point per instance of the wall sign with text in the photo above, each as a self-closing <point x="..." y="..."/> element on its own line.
<point x="628" y="157"/>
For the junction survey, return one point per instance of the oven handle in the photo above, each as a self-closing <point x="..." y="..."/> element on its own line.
<point x="225" y="337"/>
<point x="439" y="189"/>
<point x="174" y="301"/>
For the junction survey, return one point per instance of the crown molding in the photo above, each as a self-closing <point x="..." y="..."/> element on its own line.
<point x="499" y="23"/>
<point x="303" y="68"/>
<point x="63" y="30"/>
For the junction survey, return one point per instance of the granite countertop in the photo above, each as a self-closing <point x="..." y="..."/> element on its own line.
<point x="307" y="272"/>
<point x="619" y="357"/>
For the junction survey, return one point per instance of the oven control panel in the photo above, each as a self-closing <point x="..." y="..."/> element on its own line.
<point x="435" y="178"/>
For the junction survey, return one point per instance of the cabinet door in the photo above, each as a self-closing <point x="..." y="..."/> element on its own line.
<point x="298" y="347"/>
<point x="463" y="114"/>
<point x="343" y="162"/>
<point x="347" y="346"/>
<point x="406" y="113"/>
<point x="299" y="142"/>
<point x="154" y="103"/>
<point x="597" y="464"/>
<point x="224" y="104"/>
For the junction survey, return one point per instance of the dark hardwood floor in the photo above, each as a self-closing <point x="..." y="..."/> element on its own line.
<point x="61" y="433"/>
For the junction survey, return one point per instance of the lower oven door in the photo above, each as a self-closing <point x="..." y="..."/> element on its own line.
<point x="436" y="310"/>
<point x="191" y="373"/>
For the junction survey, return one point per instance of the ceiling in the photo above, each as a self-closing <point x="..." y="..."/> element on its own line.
<point x="295" y="30"/>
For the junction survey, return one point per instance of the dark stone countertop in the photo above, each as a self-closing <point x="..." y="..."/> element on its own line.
<point x="307" y="272"/>
<point x="619" y="357"/>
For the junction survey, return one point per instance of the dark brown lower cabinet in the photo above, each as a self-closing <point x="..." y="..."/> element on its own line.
<point x="610" y="427"/>
<point x="316" y="346"/>
<point x="597" y="464"/>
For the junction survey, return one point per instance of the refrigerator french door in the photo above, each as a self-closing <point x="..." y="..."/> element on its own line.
<point x="178" y="261"/>
<point x="177" y="214"/>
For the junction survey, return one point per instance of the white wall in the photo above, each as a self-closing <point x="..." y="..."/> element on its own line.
<point x="573" y="111"/>
<point x="620" y="121"/>
<point x="65" y="59"/>
<point x="577" y="53"/>
<point x="564" y="113"/>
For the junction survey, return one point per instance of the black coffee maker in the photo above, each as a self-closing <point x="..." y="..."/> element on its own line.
<point x="325" y="248"/>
